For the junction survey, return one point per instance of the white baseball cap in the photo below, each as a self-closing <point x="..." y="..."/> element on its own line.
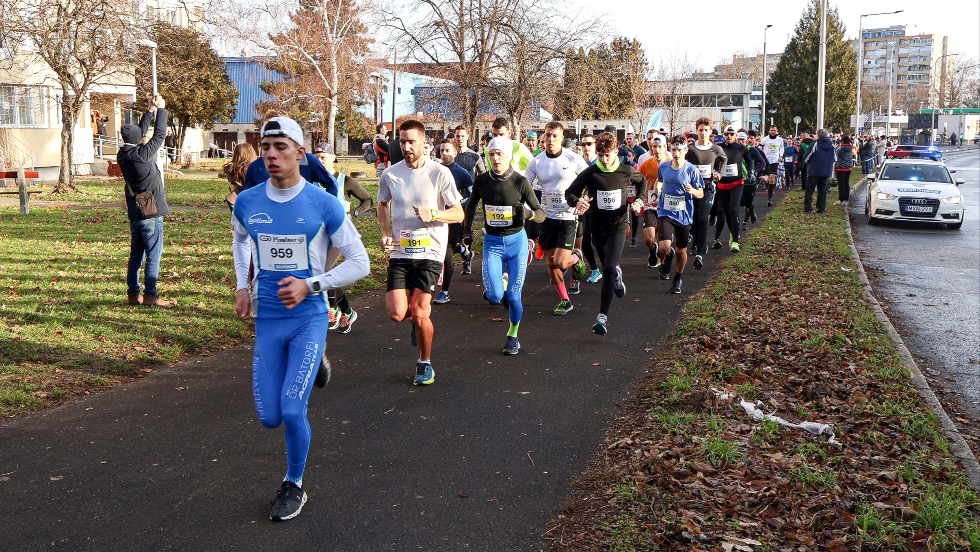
<point x="283" y="126"/>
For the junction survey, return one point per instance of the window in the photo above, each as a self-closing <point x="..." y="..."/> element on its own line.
<point x="23" y="106"/>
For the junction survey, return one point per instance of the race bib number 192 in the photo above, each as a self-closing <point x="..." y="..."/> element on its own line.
<point x="283" y="253"/>
<point x="499" y="216"/>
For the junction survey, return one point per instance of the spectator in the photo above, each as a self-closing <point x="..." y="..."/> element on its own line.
<point x="236" y="169"/>
<point x="880" y="147"/>
<point x="842" y="168"/>
<point x="380" y="145"/>
<point x="137" y="161"/>
<point x="820" y="167"/>
<point x="170" y="142"/>
<point x="866" y="153"/>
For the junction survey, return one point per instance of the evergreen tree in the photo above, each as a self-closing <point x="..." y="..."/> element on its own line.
<point x="792" y="88"/>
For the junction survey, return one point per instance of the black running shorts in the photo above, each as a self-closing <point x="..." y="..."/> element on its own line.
<point x="666" y="227"/>
<point x="558" y="234"/>
<point x="414" y="274"/>
<point x="650" y="218"/>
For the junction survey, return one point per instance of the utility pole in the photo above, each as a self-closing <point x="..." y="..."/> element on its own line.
<point x="765" y="66"/>
<point x="822" y="67"/>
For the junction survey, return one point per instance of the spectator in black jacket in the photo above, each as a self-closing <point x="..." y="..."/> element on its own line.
<point x="138" y="162"/>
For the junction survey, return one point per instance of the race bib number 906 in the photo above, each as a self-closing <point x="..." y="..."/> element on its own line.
<point x="414" y="242"/>
<point x="283" y="253"/>
<point x="608" y="200"/>
<point x="499" y="216"/>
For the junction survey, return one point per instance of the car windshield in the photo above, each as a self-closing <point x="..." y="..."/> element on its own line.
<point x="916" y="173"/>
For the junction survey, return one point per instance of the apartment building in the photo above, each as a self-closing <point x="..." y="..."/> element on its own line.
<point x="907" y="63"/>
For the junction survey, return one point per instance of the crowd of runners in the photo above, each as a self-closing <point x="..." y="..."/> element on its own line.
<point x="573" y="205"/>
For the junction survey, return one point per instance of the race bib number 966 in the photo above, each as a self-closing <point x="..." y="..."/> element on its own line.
<point x="283" y="253"/>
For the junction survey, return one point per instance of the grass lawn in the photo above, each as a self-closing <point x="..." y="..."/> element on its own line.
<point x="783" y="325"/>
<point x="66" y="329"/>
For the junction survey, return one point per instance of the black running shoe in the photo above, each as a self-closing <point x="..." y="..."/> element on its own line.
<point x="712" y="219"/>
<point x="753" y="217"/>
<point x="675" y="287"/>
<point x="289" y="502"/>
<point x="653" y="259"/>
<point x="620" y="289"/>
<point x="698" y="262"/>
<point x="512" y="346"/>
<point x="668" y="264"/>
<point x="716" y="245"/>
<point x="769" y="203"/>
<point x="323" y="374"/>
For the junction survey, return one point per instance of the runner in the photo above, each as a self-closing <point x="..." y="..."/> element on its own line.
<point x="650" y="169"/>
<point x="465" y="157"/>
<point x="606" y="184"/>
<point x="728" y="199"/>
<point x="342" y="315"/>
<point x="680" y="185"/>
<point x="790" y="153"/>
<point x="503" y="193"/>
<point x="806" y="142"/>
<point x="286" y="227"/>
<point x="709" y="159"/>
<point x="554" y="169"/>
<point x="464" y="185"/>
<point x="417" y="200"/>
<point x="755" y="164"/>
<point x="774" y="148"/>
<point x="590" y="156"/>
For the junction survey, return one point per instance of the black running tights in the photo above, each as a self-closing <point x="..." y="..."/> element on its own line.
<point x="609" y="248"/>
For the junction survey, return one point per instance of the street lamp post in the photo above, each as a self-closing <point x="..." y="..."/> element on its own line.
<point x="765" y="66"/>
<point x="822" y="63"/>
<point x="153" y="60"/>
<point x="932" y="131"/>
<point x="377" y="96"/>
<point x="860" y="63"/>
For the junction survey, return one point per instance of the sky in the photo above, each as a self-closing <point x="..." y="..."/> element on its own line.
<point x="729" y="26"/>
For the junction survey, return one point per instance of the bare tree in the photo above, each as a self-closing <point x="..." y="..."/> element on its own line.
<point x="460" y="37"/>
<point x="83" y="42"/>
<point x="667" y="89"/>
<point x="744" y="65"/>
<point x="321" y="47"/>
<point x="961" y="77"/>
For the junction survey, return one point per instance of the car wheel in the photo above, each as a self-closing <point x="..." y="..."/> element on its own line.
<point x="955" y="226"/>
<point x="872" y="221"/>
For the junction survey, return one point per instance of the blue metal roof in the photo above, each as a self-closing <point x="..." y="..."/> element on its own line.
<point x="248" y="74"/>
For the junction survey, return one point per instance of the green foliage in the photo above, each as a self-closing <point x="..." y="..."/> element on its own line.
<point x="191" y="77"/>
<point x="792" y="89"/>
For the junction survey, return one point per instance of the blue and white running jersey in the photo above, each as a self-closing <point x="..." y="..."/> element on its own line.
<point x="674" y="202"/>
<point x="288" y="238"/>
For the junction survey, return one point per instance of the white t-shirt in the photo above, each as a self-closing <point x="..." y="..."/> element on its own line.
<point x="554" y="176"/>
<point x="773" y="148"/>
<point x="431" y="185"/>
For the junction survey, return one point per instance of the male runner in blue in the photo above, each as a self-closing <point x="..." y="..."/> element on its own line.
<point x="286" y="225"/>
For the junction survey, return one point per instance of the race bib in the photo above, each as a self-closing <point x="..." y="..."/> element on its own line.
<point x="554" y="201"/>
<point x="675" y="203"/>
<point x="283" y="253"/>
<point x="651" y="195"/>
<point x="730" y="170"/>
<point x="630" y="192"/>
<point x="705" y="170"/>
<point x="499" y="216"/>
<point x="788" y="159"/>
<point x="608" y="200"/>
<point x="414" y="242"/>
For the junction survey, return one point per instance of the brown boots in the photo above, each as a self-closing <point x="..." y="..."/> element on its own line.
<point x="135" y="299"/>
<point x="155" y="302"/>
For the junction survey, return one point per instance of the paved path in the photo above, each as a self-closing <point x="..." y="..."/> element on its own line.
<point x="481" y="460"/>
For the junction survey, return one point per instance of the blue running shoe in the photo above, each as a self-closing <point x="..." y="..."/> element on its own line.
<point x="441" y="298"/>
<point x="512" y="346"/>
<point x="600" y="324"/>
<point x="424" y="374"/>
<point x="595" y="276"/>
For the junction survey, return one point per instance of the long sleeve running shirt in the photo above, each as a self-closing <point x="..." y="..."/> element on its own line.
<point x="608" y="191"/>
<point x="503" y="199"/>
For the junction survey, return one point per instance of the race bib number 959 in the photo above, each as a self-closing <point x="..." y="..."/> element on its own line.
<point x="283" y="253"/>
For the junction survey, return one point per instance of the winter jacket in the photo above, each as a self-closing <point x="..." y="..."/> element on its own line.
<point x="820" y="161"/>
<point x="845" y="158"/>
<point x="138" y="165"/>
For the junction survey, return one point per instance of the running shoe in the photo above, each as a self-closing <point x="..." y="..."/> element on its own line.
<point x="574" y="287"/>
<point x="579" y="270"/>
<point x="769" y="203"/>
<point x="600" y="325"/>
<point x="347" y="321"/>
<point x="698" y="262"/>
<point x="734" y="247"/>
<point x="334" y="318"/>
<point x="424" y="374"/>
<point x="653" y="259"/>
<point x="632" y="244"/>
<point x="712" y="219"/>
<point x="323" y="374"/>
<point x="512" y="346"/>
<point x="530" y="251"/>
<point x="442" y="298"/>
<point x="564" y="307"/>
<point x="467" y="265"/>
<point x="675" y="287"/>
<point x="595" y="276"/>
<point x="538" y="252"/>
<point x="668" y="264"/>
<point x="620" y="289"/>
<point x="289" y="502"/>
<point x="753" y="217"/>
<point x="716" y="245"/>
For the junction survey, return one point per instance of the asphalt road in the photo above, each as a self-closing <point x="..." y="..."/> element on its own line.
<point x="481" y="460"/>
<point x="928" y="278"/>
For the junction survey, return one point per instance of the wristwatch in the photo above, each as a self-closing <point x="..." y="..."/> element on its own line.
<point x="316" y="286"/>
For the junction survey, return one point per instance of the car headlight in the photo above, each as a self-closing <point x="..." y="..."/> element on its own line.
<point x="885" y="196"/>
<point x="954" y="199"/>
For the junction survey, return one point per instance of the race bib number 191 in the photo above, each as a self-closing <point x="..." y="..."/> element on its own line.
<point x="283" y="253"/>
<point x="414" y="242"/>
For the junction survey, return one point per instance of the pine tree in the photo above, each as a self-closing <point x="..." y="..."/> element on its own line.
<point x="792" y="88"/>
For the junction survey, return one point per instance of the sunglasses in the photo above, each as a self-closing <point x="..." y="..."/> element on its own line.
<point x="588" y="143"/>
<point x="729" y="134"/>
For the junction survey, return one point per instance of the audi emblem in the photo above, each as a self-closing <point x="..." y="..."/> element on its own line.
<point x="920" y="201"/>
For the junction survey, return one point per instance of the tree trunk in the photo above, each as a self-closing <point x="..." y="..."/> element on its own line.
<point x="69" y="112"/>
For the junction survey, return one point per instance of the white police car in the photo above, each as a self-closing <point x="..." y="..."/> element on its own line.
<point x="921" y="190"/>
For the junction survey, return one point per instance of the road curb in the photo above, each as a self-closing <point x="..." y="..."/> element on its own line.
<point x="957" y="444"/>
